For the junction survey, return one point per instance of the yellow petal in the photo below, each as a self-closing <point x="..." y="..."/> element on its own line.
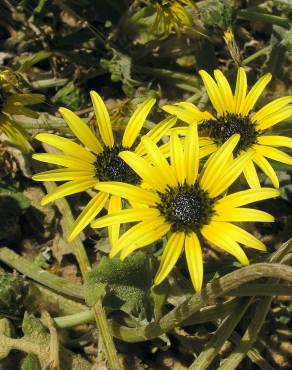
<point x="194" y="259"/>
<point x="150" y="237"/>
<point x="273" y="153"/>
<point x="128" y="191"/>
<point x="213" y="92"/>
<point x="125" y="216"/>
<point x="272" y="107"/>
<point x="275" y="118"/>
<point x="67" y="146"/>
<point x="157" y="132"/>
<point x="225" y="90"/>
<point x="136" y="122"/>
<point x="140" y="235"/>
<point x="207" y="150"/>
<point x="251" y="176"/>
<point x="159" y="162"/>
<point x="242" y="236"/>
<point x="63" y="174"/>
<point x="81" y="130"/>
<point x="244" y="197"/>
<point x="231" y="173"/>
<point x="148" y="173"/>
<point x="115" y="205"/>
<point x="187" y="113"/>
<point x="87" y="215"/>
<point x="213" y="169"/>
<point x="102" y="119"/>
<point x="240" y="90"/>
<point x="72" y="187"/>
<point x="192" y="155"/>
<point x="265" y="166"/>
<point x="242" y="215"/>
<point x="177" y="158"/>
<point x="275" y="140"/>
<point x="171" y="253"/>
<point x="64" y="160"/>
<point x="215" y="234"/>
<point x="255" y="93"/>
<point x="205" y="115"/>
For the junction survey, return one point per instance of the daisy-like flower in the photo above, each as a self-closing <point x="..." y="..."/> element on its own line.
<point x="88" y="164"/>
<point x="13" y="103"/>
<point x="172" y="14"/>
<point x="234" y="114"/>
<point x="186" y="204"/>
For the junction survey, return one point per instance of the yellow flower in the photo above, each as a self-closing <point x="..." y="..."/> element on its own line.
<point x="186" y="204"/>
<point x="88" y="164"/>
<point x="13" y="104"/>
<point x="172" y="14"/>
<point x="235" y="115"/>
<point x="228" y="36"/>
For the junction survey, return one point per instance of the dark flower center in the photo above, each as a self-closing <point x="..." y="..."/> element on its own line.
<point x="229" y="124"/>
<point x="110" y="167"/>
<point x="186" y="208"/>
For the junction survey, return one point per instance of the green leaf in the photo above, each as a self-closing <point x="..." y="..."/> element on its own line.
<point x="31" y="362"/>
<point x="120" y="68"/>
<point x="27" y="62"/>
<point x="13" y="291"/>
<point x="36" y="341"/>
<point x="70" y="96"/>
<point x="127" y="283"/>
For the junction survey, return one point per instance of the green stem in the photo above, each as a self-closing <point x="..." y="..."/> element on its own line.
<point x="34" y="272"/>
<point x="48" y="83"/>
<point x="84" y="264"/>
<point x="262" y="290"/>
<point x="76" y="244"/>
<point x="45" y="121"/>
<point x="249" y="336"/>
<point x="250" y="15"/>
<point x="222" y="334"/>
<point x="107" y="337"/>
<point x="63" y="305"/>
<point x="209" y="313"/>
<point x="253" y="353"/>
<point x="256" y="55"/>
<point x="183" y="81"/>
<point x="213" y="290"/>
<point x="79" y="318"/>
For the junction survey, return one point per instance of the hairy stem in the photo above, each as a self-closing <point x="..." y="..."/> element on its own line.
<point x="31" y="270"/>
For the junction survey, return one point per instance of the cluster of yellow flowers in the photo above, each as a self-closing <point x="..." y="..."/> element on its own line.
<point x="175" y="179"/>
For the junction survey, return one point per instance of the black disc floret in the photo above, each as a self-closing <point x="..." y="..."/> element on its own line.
<point x="110" y="167"/>
<point x="229" y="124"/>
<point x="187" y="208"/>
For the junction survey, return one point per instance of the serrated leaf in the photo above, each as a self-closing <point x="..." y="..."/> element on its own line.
<point x="127" y="282"/>
<point x="70" y="96"/>
<point x="36" y="341"/>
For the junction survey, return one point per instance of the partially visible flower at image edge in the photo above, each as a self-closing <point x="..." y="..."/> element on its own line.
<point x="14" y="104"/>
<point x="186" y="205"/>
<point x="88" y="164"/>
<point x="234" y="115"/>
<point x="171" y="14"/>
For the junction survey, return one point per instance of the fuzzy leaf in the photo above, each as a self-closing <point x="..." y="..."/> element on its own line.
<point x="127" y="282"/>
<point x="36" y="341"/>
